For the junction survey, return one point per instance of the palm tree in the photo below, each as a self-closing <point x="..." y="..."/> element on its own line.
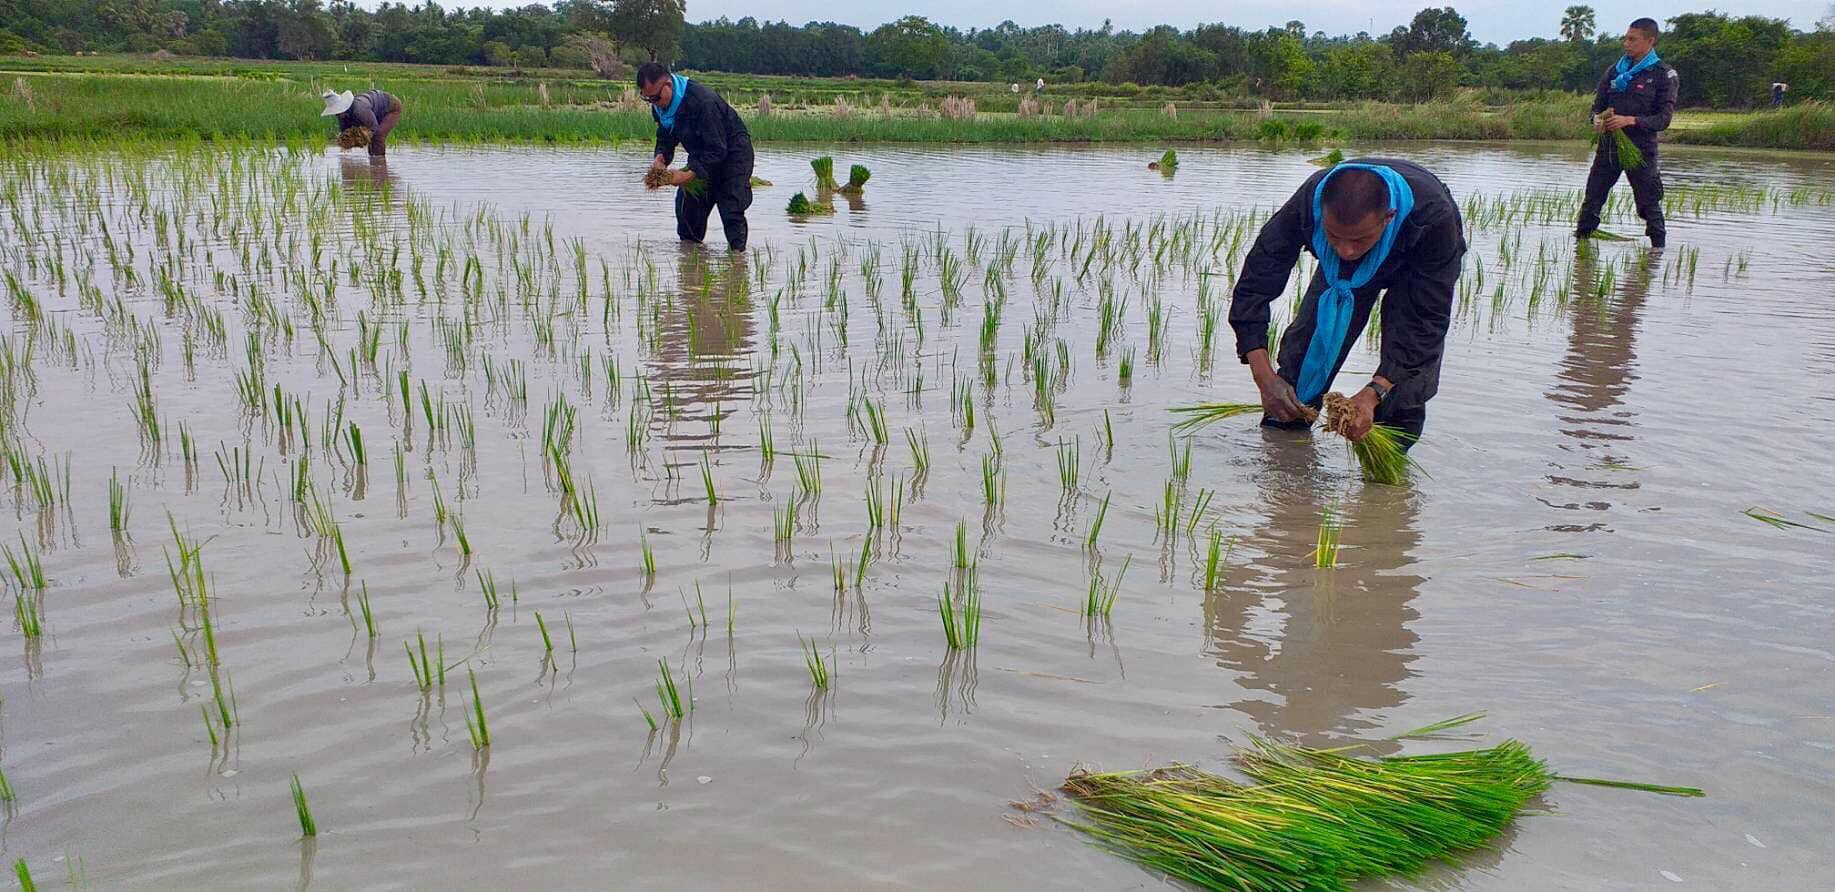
<point x="1577" y="23"/>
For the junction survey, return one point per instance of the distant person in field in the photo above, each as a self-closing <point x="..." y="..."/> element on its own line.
<point x="1377" y="227"/>
<point x="373" y="110"/>
<point x="719" y="152"/>
<point x="1641" y="92"/>
<point x="1777" y="94"/>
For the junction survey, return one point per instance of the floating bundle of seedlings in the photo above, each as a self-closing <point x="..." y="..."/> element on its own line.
<point x="1315" y="819"/>
<point x="1629" y="156"/>
<point x="1382" y="453"/>
<point x="1168" y="163"/>
<point x="801" y="206"/>
<point x="825" y="172"/>
<point x="658" y="177"/>
<point x="1332" y="158"/>
<point x="353" y="137"/>
<point x="857" y="177"/>
<point x="1202" y="414"/>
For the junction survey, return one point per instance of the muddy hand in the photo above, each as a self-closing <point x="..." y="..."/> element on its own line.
<point x="1279" y="400"/>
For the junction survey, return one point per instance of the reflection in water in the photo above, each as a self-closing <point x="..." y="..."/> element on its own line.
<point x="1323" y="645"/>
<point x="1595" y="376"/>
<point x="358" y="173"/>
<point x="699" y="340"/>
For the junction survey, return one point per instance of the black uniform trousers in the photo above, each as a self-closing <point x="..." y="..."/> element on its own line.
<point x="731" y="192"/>
<point x="1646" y="189"/>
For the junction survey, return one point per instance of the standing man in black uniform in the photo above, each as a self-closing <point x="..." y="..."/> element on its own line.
<point x="1641" y="91"/>
<point x="1379" y="227"/>
<point x="719" y="152"/>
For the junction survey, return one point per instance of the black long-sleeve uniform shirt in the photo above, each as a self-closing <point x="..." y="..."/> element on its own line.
<point x="1420" y="275"/>
<point x="710" y="130"/>
<point x="1651" y="98"/>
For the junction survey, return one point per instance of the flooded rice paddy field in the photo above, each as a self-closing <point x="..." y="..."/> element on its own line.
<point x="270" y="418"/>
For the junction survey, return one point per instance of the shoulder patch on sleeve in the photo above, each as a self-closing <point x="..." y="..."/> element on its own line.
<point x="1673" y="75"/>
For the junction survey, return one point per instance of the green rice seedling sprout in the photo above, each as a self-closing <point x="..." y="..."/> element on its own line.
<point x="801" y="206"/>
<point x="1331" y="527"/>
<point x="1106" y="433"/>
<point x="648" y="718"/>
<point x="1216" y="557"/>
<point x="671" y="698"/>
<point x="307" y="826"/>
<point x="369" y="618"/>
<point x="547" y="642"/>
<point x="422" y="667"/>
<point x="1779" y="521"/>
<point x="648" y="559"/>
<point x="1095" y="531"/>
<point x="961" y="628"/>
<point x="920" y="451"/>
<point x="1181" y="461"/>
<point x="1169" y="162"/>
<point x="458" y="532"/>
<point x="1332" y="158"/>
<point x="993" y="482"/>
<point x="818" y="670"/>
<point x="210" y="728"/>
<point x="7" y="793"/>
<point x="875" y="421"/>
<point x="1099" y="600"/>
<point x="809" y="471"/>
<point x="959" y="550"/>
<point x="1070" y="462"/>
<point x="701" y="603"/>
<point x="475" y="726"/>
<point x="29" y="616"/>
<point x="707" y="482"/>
<point x="487" y="584"/>
<point x="1201" y="415"/>
<point x="1382" y="453"/>
<point x="27" y="568"/>
<point x="1125" y="373"/>
<point x="117" y="503"/>
<point x="25" y="876"/>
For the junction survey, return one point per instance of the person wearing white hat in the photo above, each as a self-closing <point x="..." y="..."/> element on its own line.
<point x="374" y="110"/>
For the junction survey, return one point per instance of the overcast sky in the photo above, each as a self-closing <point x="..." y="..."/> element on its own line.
<point x="1491" y="21"/>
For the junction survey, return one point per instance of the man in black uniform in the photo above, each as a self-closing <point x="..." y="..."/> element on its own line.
<point x="719" y="152"/>
<point x="1641" y="91"/>
<point x="1376" y="225"/>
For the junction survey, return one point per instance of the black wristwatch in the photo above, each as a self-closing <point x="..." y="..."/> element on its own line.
<point x="1382" y="393"/>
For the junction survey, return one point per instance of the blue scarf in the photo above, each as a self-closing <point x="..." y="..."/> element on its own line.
<point x="666" y="117"/>
<point x="1624" y="71"/>
<point x="1333" y="316"/>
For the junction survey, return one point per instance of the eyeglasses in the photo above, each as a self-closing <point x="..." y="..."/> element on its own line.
<point x="655" y="98"/>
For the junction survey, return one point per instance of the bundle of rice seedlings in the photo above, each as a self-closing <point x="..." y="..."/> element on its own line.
<point x="801" y="206"/>
<point x="1170" y="111"/>
<point x="825" y="172"/>
<point x="1202" y="414"/>
<point x="857" y="177"/>
<point x="1332" y="158"/>
<point x="1315" y="819"/>
<point x="1168" y="163"/>
<point x="1382" y="454"/>
<point x="1629" y="156"/>
<point x="764" y="105"/>
<point x="658" y="177"/>
<point x="354" y="137"/>
<point x="759" y="182"/>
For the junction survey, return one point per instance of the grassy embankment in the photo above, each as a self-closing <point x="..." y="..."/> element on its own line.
<point x="109" y="98"/>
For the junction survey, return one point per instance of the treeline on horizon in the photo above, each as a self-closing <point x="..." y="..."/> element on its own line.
<point x="1725" y="61"/>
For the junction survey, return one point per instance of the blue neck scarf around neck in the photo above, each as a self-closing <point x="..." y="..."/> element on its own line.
<point x="666" y="116"/>
<point x="1625" y="70"/>
<point x="1335" y="303"/>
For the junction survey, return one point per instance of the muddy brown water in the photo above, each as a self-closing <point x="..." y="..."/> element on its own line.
<point x="1578" y="564"/>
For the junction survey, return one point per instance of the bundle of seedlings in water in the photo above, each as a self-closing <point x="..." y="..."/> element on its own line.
<point x="354" y="138"/>
<point x="1332" y="158"/>
<point x="1167" y="164"/>
<point x="1202" y="414"/>
<point x="825" y="173"/>
<point x="658" y="177"/>
<point x="1382" y="453"/>
<point x="1629" y="156"/>
<point x="857" y="177"/>
<point x="801" y="206"/>
<point x="1315" y="819"/>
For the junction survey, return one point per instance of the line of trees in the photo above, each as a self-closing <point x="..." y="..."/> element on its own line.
<point x="1724" y="60"/>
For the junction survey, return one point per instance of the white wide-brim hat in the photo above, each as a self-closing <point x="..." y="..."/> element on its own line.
<point x="336" y="103"/>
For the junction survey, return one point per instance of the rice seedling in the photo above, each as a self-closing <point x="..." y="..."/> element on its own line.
<point x="648" y="718"/>
<point x="961" y="627"/>
<point x="920" y="451"/>
<point x="960" y="555"/>
<point x="547" y="642"/>
<point x="475" y="726"/>
<point x="818" y="669"/>
<point x="24" y="874"/>
<point x="487" y="585"/>
<point x="1106" y="435"/>
<point x="117" y="503"/>
<point x="7" y="793"/>
<point x="1203" y="414"/>
<point x="809" y="472"/>
<point x="1216" y="557"/>
<point x="426" y="671"/>
<point x="1629" y="156"/>
<point x="1331" y="528"/>
<point x="458" y="532"/>
<point x="369" y="618"/>
<point x="1070" y="462"/>
<point x="29" y="615"/>
<point x="783" y="524"/>
<point x="801" y="206"/>
<point x="1099" y="599"/>
<point x="27" y="568"/>
<point x="647" y="560"/>
<point x="1095" y="530"/>
<point x="707" y="482"/>
<point x="307" y="826"/>
<point x="1779" y="521"/>
<point x="875" y="421"/>
<point x="671" y="698"/>
<point x="1125" y="369"/>
<point x="993" y="482"/>
<point x="1332" y="158"/>
<point x="1181" y="461"/>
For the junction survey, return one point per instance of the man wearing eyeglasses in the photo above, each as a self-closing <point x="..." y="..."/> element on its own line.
<point x="719" y="152"/>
